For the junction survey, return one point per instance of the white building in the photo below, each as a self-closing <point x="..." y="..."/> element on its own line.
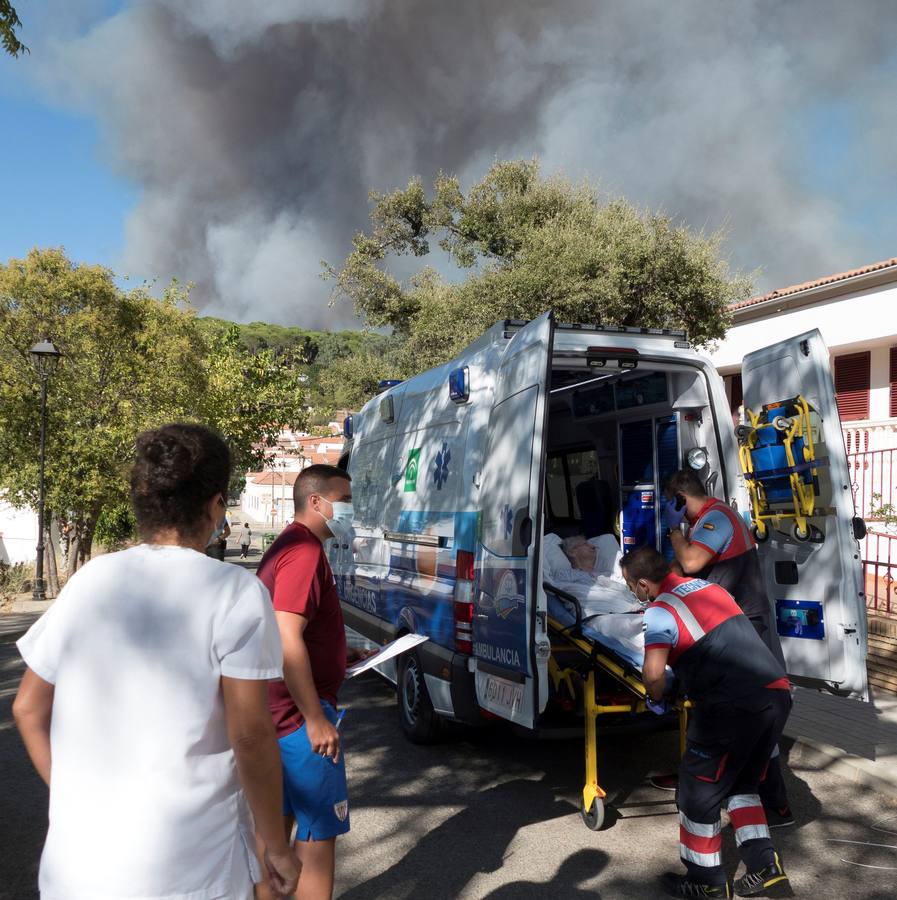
<point x="18" y="534"/>
<point x="268" y="495"/>
<point x="856" y="312"/>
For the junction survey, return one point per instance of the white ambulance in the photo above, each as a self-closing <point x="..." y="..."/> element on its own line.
<point x="539" y="427"/>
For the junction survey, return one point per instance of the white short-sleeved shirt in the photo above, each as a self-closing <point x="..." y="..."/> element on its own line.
<point x="145" y="801"/>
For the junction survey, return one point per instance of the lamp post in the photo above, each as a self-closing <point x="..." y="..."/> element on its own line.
<point x="45" y="356"/>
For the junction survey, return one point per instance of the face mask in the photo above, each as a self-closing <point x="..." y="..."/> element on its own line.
<point x="340" y="523"/>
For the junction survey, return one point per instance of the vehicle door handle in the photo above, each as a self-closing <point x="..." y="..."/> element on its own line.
<point x="481" y="616"/>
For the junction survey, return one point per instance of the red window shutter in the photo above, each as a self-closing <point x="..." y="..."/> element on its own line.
<point x="893" y="379"/>
<point x="736" y="395"/>
<point x="852" y="381"/>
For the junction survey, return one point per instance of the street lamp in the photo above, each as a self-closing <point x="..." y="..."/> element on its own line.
<point x="45" y="356"/>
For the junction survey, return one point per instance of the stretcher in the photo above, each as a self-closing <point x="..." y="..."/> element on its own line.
<point x="611" y="685"/>
<point x="779" y="462"/>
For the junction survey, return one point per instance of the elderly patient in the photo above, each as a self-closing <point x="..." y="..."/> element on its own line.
<point x="598" y="556"/>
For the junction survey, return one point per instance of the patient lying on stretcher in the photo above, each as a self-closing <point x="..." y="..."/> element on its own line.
<point x="590" y="570"/>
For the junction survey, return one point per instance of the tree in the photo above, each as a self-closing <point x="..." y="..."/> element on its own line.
<point x="130" y="362"/>
<point x="9" y="22"/>
<point x="530" y="243"/>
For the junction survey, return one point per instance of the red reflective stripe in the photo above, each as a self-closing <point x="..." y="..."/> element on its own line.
<point x="700" y="844"/>
<point x="747" y="815"/>
<point x="657" y="647"/>
<point x="780" y="684"/>
<point x="685" y="638"/>
<point x="719" y="771"/>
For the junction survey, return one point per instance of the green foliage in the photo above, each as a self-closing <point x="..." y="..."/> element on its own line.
<point x="882" y="512"/>
<point x="130" y="362"/>
<point x="530" y="243"/>
<point x="116" y="526"/>
<point x="9" y="22"/>
<point x="15" y="579"/>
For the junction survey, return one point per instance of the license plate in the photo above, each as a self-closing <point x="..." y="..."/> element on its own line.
<point x="506" y="694"/>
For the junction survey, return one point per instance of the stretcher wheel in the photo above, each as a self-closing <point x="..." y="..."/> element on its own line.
<point x="799" y="535"/>
<point x="743" y="433"/>
<point x="594" y="816"/>
<point x="760" y="536"/>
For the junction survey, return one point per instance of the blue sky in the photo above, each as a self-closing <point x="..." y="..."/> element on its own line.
<point x="136" y="112"/>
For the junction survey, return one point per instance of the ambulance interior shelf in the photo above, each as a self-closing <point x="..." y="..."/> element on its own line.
<point x="781" y="468"/>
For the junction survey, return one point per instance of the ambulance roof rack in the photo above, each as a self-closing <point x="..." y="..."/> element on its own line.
<point x="675" y="333"/>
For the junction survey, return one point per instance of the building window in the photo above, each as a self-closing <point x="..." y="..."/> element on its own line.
<point x="736" y="395"/>
<point x="892" y="411"/>
<point x="852" y="385"/>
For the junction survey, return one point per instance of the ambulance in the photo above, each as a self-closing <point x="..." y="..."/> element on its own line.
<point x="539" y="427"/>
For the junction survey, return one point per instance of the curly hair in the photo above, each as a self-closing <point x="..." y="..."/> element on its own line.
<point x="178" y="469"/>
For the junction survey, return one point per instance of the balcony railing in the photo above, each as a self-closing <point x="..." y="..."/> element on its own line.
<point x="880" y="573"/>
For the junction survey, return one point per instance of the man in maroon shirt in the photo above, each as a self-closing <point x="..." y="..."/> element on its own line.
<point x="297" y="574"/>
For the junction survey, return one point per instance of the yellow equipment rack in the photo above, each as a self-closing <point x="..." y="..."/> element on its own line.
<point x="793" y="437"/>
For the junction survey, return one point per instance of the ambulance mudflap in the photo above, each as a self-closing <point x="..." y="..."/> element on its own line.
<point x="803" y="513"/>
<point x="510" y="640"/>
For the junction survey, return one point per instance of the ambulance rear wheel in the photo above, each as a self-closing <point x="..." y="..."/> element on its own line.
<point x="594" y="816"/>
<point x="420" y="722"/>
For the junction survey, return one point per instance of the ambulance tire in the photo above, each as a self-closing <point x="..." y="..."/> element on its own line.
<point x="593" y="817"/>
<point x="420" y="723"/>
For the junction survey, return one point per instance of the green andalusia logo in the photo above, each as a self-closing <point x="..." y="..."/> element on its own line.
<point x="411" y="470"/>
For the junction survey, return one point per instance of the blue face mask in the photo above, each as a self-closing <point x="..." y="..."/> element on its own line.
<point x="340" y="522"/>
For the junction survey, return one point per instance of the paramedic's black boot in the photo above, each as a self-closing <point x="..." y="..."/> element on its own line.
<point x="752" y="883"/>
<point x="682" y="886"/>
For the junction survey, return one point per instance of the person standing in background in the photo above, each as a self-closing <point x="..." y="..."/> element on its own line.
<point x="245" y="538"/>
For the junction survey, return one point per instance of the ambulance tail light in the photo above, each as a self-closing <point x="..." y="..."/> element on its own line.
<point x="463" y="605"/>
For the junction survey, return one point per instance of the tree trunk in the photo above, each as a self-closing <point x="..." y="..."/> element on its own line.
<point x="50" y="562"/>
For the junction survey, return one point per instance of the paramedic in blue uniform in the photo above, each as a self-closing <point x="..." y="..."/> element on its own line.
<point x="720" y="548"/>
<point x="741" y="702"/>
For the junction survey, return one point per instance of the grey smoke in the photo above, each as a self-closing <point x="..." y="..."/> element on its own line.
<point x="255" y="130"/>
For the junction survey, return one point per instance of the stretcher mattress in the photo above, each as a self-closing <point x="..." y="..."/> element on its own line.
<point x="621" y="633"/>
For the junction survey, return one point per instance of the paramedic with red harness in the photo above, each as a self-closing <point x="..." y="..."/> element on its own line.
<point x="721" y="549"/>
<point x="741" y="702"/>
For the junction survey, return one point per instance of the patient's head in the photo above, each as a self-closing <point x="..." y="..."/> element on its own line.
<point x="580" y="552"/>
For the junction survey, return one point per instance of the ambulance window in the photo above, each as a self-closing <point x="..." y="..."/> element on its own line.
<point x="556" y="482"/>
<point x="581" y="466"/>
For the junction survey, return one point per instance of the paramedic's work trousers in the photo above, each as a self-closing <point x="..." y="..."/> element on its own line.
<point x="772" y="787"/>
<point x="726" y="755"/>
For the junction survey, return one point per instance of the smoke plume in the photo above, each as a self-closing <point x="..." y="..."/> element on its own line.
<point x="255" y="130"/>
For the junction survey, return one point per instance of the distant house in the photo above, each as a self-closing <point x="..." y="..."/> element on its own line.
<point x="268" y="495"/>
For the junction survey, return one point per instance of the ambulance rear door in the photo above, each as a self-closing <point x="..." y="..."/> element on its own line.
<point x="510" y="638"/>
<point x="814" y="579"/>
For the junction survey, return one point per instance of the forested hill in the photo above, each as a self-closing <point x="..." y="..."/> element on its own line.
<point x="328" y="358"/>
<point x="318" y="348"/>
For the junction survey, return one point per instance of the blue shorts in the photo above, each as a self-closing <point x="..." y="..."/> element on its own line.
<point x="314" y="787"/>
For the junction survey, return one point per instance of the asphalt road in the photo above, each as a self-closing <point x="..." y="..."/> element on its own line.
<point x="495" y="815"/>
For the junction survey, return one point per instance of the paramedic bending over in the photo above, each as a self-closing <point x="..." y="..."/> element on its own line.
<point x="741" y="702"/>
<point x="144" y="704"/>
<point x="720" y="548"/>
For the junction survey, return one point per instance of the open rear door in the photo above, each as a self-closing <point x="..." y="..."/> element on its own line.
<point x="511" y="646"/>
<point x="813" y="571"/>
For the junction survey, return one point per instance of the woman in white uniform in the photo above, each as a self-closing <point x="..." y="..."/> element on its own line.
<point x="144" y="704"/>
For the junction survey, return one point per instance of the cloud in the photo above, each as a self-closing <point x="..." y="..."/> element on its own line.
<point x="256" y="130"/>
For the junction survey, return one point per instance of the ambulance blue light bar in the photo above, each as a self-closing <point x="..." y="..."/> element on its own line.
<point x="387" y="383"/>
<point x="348" y="427"/>
<point x="459" y="385"/>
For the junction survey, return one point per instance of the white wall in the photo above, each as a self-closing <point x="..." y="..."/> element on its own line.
<point x="18" y="534"/>
<point x="857" y="321"/>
